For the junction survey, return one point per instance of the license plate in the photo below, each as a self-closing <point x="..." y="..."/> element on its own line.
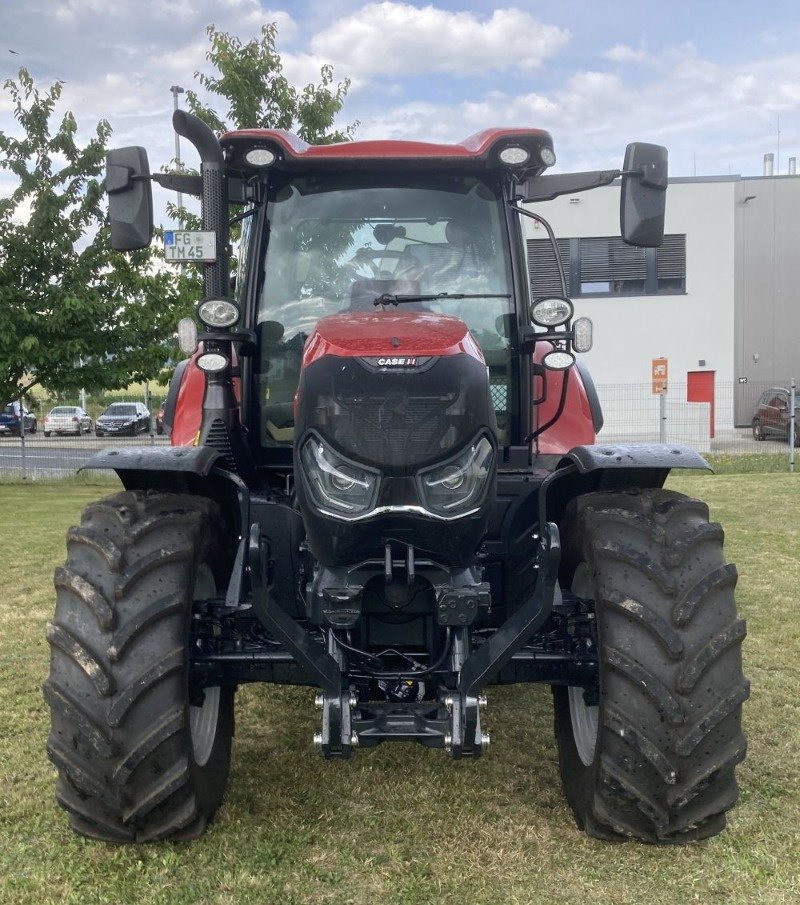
<point x="185" y="246"/>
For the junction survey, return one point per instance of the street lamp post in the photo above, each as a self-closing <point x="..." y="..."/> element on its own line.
<point x="176" y="90"/>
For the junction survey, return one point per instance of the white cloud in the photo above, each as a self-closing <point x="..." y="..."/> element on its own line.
<point x="393" y="38"/>
<point x="419" y="72"/>
<point x="721" y="117"/>
<point x="621" y="53"/>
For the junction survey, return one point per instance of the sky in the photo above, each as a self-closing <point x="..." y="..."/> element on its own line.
<point x="718" y="84"/>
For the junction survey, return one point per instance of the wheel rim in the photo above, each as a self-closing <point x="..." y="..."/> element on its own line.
<point x="584" y="725"/>
<point x="584" y="718"/>
<point x="203" y="720"/>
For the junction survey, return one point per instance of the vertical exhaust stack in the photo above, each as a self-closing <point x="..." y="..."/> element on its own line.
<point x="769" y="164"/>
<point x="220" y="427"/>
<point x="216" y="281"/>
<point x="792" y="166"/>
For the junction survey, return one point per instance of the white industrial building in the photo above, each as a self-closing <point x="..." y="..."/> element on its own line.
<point x="720" y="300"/>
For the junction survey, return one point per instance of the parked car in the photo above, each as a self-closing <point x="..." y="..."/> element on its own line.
<point x="123" y="418"/>
<point x="67" y="419"/>
<point x="771" y="416"/>
<point x="10" y="421"/>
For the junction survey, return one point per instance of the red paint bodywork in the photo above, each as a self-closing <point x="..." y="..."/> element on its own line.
<point x="477" y="151"/>
<point x="363" y="334"/>
<point x="574" y="426"/>
<point x="189" y="404"/>
<point x="395" y="334"/>
<point x="476" y="146"/>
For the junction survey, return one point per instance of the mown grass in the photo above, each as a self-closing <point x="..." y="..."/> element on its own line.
<point x="751" y="463"/>
<point x="401" y="824"/>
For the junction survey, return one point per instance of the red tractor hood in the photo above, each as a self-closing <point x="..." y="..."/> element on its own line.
<point x="392" y="335"/>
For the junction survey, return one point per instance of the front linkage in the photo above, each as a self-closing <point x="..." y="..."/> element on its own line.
<point x="466" y="666"/>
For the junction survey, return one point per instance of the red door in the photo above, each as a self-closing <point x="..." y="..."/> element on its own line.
<point x="700" y="388"/>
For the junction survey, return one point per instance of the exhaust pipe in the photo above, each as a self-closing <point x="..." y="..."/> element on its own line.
<point x="220" y="427"/>
<point x="216" y="280"/>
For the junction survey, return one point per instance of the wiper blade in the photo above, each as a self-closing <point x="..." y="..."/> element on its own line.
<point x="389" y="299"/>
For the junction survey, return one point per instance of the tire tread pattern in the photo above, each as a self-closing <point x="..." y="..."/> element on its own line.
<point x="671" y="683"/>
<point x="120" y="736"/>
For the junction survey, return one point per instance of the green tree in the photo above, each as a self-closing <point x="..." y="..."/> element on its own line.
<point x="250" y="80"/>
<point x="73" y="313"/>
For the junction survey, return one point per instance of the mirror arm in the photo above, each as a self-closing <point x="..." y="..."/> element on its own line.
<point x="551" y="235"/>
<point x="179" y="182"/>
<point x="546" y="188"/>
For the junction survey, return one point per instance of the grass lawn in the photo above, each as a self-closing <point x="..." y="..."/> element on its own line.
<point x="400" y="824"/>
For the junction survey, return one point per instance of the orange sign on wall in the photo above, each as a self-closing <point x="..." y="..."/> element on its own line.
<point x="660" y="373"/>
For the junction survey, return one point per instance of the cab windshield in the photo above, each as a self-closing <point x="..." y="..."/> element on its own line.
<point x="338" y="246"/>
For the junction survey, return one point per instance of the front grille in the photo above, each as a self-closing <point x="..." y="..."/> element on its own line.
<point x="389" y="433"/>
<point x="397" y="421"/>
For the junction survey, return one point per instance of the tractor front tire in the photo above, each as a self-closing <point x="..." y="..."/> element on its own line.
<point x="140" y="755"/>
<point x="650" y="753"/>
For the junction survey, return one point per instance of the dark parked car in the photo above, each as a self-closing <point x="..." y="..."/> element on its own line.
<point x="123" y="418"/>
<point x="9" y="420"/>
<point x="771" y="415"/>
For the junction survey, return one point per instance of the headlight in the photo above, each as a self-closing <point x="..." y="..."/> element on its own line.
<point x="260" y="157"/>
<point x="458" y="484"/>
<point x="336" y="483"/>
<point x="548" y="156"/>
<point x="218" y="312"/>
<point x="551" y="312"/>
<point x="515" y="156"/>
<point x="212" y="362"/>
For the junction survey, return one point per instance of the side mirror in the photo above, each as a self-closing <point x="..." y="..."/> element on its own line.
<point x="130" y="198"/>
<point x="644" y="195"/>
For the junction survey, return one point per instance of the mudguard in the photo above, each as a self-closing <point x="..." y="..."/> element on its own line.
<point x="197" y="460"/>
<point x="633" y="455"/>
<point x="586" y="469"/>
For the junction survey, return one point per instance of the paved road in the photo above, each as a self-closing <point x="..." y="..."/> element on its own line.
<point x="60" y="456"/>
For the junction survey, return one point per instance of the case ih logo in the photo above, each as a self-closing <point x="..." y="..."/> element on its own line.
<point x="396" y="362"/>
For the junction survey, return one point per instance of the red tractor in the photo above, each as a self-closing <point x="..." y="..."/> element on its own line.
<point x="384" y="484"/>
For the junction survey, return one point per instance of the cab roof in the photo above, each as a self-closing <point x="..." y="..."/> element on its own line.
<point x="478" y="152"/>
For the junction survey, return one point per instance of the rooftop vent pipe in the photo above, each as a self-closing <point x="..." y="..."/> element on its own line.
<point x="769" y="164"/>
<point x="792" y="166"/>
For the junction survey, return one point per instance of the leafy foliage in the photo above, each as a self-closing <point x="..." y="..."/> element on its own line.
<point x="73" y="313"/>
<point x="250" y="79"/>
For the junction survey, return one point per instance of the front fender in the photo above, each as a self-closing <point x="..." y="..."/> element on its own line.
<point x="635" y="456"/>
<point x="197" y="460"/>
<point x="587" y="469"/>
<point x="179" y="469"/>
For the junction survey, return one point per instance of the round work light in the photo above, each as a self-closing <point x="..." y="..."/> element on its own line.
<point x="212" y="362"/>
<point x="515" y="156"/>
<point x="260" y="157"/>
<point x="218" y="312"/>
<point x="558" y="360"/>
<point x="551" y="312"/>
<point x="547" y="156"/>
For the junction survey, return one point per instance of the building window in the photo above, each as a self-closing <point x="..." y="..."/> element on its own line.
<point x="606" y="266"/>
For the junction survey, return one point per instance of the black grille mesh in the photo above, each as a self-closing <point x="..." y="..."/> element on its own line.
<point x="396" y="420"/>
<point x="218" y="438"/>
<point x="499" y="391"/>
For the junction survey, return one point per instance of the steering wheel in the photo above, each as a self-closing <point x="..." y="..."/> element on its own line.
<point x="371" y="257"/>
